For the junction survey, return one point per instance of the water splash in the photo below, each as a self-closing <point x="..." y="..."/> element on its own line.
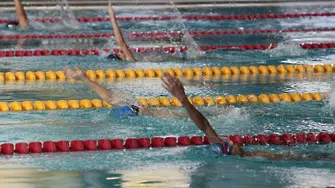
<point x="66" y="19"/>
<point x="286" y="50"/>
<point x="193" y="48"/>
<point x="330" y="101"/>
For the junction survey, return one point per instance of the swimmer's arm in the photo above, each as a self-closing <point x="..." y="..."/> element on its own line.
<point x="106" y="95"/>
<point x="199" y="119"/>
<point x="158" y="113"/>
<point x="175" y="87"/>
<point x="21" y="14"/>
<point x="265" y="154"/>
<point x="119" y="37"/>
<point x="160" y="59"/>
<point x="274" y="156"/>
<point x="153" y="59"/>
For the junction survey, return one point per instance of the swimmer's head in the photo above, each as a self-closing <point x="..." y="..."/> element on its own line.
<point x="126" y="111"/>
<point x="228" y="148"/>
<point x="116" y="56"/>
<point x="141" y="106"/>
<point x="135" y="109"/>
<point x="121" y="55"/>
<point x="220" y="149"/>
<point x="12" y="25"/>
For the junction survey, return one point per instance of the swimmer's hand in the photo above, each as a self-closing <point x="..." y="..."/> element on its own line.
<point x="78" y="74"/>
<point x="174" y="86"/>
<point x="111" y="11"/>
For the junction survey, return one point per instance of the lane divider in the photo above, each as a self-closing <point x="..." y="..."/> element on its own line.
<point x="57" y="36"/>
<point x="196" y="80"/>
<point x="143" y="50"/>
<point x="188" y="17"/>
<point x="189" y="72"/>
<point x="159" y="35"/>
<point x="17" y="106"/>
<point x="160" y="142"/>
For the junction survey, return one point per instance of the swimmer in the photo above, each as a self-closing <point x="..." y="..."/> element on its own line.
<point x="125" y="53"/>
<point x="219" y="145"/>
<point x="119" y="100"/>
<point x="66" y="20"/>
<point x="21" y="15"/>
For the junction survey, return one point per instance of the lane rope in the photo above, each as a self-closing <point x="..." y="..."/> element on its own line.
<point x="160" y="35"/>
<point x="17" y="106"/>
<point x="283" y="71"/>
<point x="143" y="50"/>
<point x="160" y="142"/>
<point x="188" y="17"/>
<point x="196" y="80"/>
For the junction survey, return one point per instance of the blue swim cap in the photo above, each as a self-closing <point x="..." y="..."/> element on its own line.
<point x="12" y="24"/>
<point x="220" y="149"/>
<point x="125" y="111"/>
<point x="114" y="57"/>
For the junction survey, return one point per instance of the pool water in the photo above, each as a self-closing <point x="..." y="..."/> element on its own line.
<point x="169" y="167"/>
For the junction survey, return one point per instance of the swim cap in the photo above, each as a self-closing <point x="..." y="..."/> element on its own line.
<point x="135" y="108"/>
<point x="12" y="24"/>
<point x="114" y="56"/>
<point x="125" y="111"/>
<point x="220" y="149"/>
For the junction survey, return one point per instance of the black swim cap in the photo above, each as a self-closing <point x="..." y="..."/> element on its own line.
<point x="12" y="24"/>
<point x="114" y="57"/>
<point x="136" y="109"/>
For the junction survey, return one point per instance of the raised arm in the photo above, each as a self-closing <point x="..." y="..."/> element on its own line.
<point x="21" y="14"/>
<point x="119" y="37"/>
<point x="106" y="95"/>
<point x="174" y="86"/>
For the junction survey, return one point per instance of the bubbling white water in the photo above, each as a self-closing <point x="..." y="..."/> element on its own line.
<point x="66" y="19"/>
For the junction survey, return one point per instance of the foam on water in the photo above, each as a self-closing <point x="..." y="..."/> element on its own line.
<point x="66" y="19"/>
<point x="286" y="50"/>
<point x="331" y="98"/>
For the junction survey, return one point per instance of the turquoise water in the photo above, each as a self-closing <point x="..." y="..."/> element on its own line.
<point x="172" y="167"/>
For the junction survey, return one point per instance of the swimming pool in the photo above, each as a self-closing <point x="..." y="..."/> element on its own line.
<point x="179" y="166"/>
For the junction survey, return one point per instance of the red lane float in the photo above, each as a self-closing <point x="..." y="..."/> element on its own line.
<point x="49" y="147"/>
<point x="159" y="142"/>
<point x="188" y="17"/>
<point x="170" y="50"/>
<point x="104" y="144"/>
<point x="178" y="34"/>
<point x="56" y="36"/>
<point x="159" y="35"/>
